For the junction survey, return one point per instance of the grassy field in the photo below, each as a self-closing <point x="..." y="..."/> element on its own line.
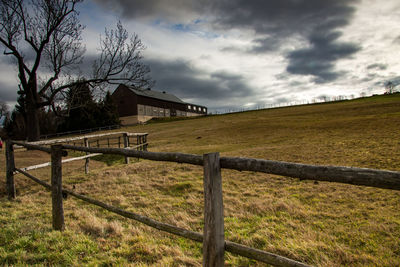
<point x="323" y="224"/>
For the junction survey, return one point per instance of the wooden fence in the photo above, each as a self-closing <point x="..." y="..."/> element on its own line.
<point x="136" y="141"/>
<point x="84" y="131"/>
<point x="214" y="243"/>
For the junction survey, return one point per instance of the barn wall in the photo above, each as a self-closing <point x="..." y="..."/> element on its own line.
<point x="126" y="101"/>
<point x="191" y="114"/>
<point x="129" y="120"/>
<point x="153" y="111"/>
<point x="161" y="104"/>
<point x="135" y="119"/>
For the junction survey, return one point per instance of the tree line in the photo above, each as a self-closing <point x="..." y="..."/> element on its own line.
<point x="80" y="111"/>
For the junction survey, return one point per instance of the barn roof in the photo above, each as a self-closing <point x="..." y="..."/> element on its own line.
<point x="155" y="94"/>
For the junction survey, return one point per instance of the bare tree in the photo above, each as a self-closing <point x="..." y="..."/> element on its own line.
<point x="44" y="38"/>
<point x="389" y="87"/>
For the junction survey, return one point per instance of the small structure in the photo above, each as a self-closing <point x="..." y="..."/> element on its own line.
<point x="140" y="105"/>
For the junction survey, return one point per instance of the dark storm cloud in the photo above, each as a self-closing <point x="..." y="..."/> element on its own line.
<point x="157" y="9"/>
<point x="317" y="22"/>
<point x="395" y="80"/>
<point x="377" y="66"/>
<point x="179" y="78"/>
<point x="275" y="23"/>
<point x="296" y="83"/>
<point x="265" y="44"/>
<point x="369" y="77"/>
<point x="8" y="93"/>
<point x="318" y="60"/>
<point x="282" y="18"/>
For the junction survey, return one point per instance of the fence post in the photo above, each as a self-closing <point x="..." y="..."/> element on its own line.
<point x="10" y="166"/>
<point x="145" y="141"/>
<point x="126" y="144"/>
<point x="56" y="188"/>
<point x="213" y="238"/>
<point x="86" y="142"/>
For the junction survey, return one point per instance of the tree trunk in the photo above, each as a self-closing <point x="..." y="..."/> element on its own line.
<point x="32" y="110"/>
<point x="32" y="123"/>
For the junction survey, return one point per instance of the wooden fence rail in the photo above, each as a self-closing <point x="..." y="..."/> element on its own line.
<point x="110" y="127"/>
<point x="96" y="137"/>
<point x="46" y="164"/>
<point x="139" y="144"/>
<point x="348" y="175"/>
<point x="214" y="244"/>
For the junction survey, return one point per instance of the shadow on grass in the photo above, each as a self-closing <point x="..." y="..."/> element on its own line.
<point x="110" y="159"/>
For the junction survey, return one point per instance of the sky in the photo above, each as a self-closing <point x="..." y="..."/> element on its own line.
<point x="240" y="54"/>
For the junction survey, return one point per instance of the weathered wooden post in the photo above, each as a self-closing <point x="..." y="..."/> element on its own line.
<point x="10" y="166"/>
<point x="119" y="141"/>
<point x="126" y="145"/>
<point x="213" y="238"/>
<point x="56" y="188"/>
<point x="137" y="146"/>
<point x="86" y="142"/>
<point x="145" y="142"/>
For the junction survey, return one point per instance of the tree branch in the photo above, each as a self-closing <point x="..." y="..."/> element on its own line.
<point x="50" y="30"/>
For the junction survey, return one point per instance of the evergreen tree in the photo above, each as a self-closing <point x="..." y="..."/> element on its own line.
<point x="82" y="109"/>
<point x="85" y="113"/>
<point x="16" y="125"/>
<point x="79" y="96"/>
<point x="109" y="113"/>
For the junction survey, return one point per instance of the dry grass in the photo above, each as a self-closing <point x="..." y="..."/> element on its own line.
<point x="324" y="224"/>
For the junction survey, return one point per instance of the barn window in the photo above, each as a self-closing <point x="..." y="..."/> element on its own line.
<point x="204" y="109"/>
<point x="189" y="107"/>
<point x="194" y="107"/>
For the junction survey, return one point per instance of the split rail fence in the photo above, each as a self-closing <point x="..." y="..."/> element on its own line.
<point x="127" y="140"/>
<point x="214" y="243"/>
<point x="84" y="131"/>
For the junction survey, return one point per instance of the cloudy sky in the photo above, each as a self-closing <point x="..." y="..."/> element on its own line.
<point x="244" y="53"/>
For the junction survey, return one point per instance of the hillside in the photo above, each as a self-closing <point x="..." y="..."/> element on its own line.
<point x="324" y="224"/>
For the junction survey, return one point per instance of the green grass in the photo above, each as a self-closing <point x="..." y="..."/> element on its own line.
<point x="323" y="224"/>
<point x="110" y="159"/>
